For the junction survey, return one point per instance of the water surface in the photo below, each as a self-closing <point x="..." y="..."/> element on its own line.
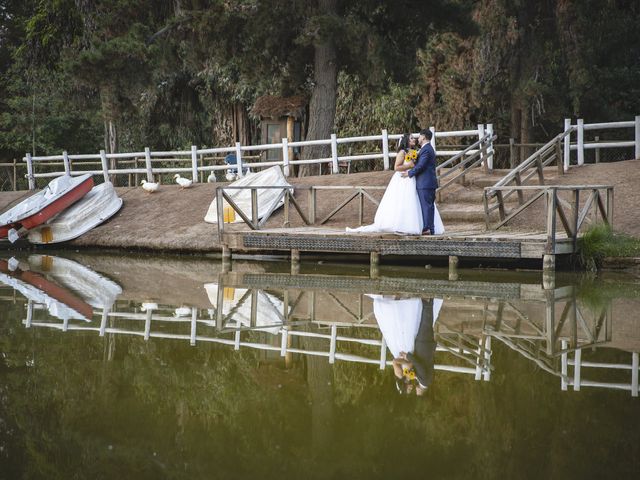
<point x="120" y="366"/>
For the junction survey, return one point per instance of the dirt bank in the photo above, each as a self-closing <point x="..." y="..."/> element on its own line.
<point x="172" y="219"/>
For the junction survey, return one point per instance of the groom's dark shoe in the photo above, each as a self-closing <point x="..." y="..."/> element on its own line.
<point x="426" y="232"/>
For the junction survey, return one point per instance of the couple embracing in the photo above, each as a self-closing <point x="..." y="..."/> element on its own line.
<point x="408" y="205"/>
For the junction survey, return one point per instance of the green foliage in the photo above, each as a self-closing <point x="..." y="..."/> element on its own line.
<point x="171" y="74"/>
<point x="600" y="242"/>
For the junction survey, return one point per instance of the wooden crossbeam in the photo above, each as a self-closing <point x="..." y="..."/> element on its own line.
<point x="238" y="210"/>
<point x="585" y="209"/>
<point x="340" y="207"/>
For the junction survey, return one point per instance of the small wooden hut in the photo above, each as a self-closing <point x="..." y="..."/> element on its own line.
<point x="281" y="117"/>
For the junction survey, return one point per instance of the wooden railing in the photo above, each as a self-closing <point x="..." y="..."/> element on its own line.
<point x="191" y="161"/>
<point x="580" y="146"/>
<point x="359" y="193"/>
<point x="457" y="166"/>
<point x="533" y="167"/>
<point x="571" y="213"/>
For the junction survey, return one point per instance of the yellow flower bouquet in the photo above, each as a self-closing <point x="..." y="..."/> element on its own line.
<point x="411" y="156"/>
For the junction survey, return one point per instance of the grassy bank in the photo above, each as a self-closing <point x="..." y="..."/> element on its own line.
<point x="600" y="242"/>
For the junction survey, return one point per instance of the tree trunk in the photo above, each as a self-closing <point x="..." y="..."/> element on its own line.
<point x="110" y="129"/>
<point x="322" y="108"/>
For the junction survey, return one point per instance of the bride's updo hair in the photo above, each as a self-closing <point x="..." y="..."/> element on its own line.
<point x="404" y="142"/>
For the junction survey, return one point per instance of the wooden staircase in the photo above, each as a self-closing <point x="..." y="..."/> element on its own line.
<point x="461" y="205"/>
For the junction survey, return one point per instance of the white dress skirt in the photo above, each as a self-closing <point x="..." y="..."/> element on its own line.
<point x="399" y="210"/>
<point x="399" y="320"/>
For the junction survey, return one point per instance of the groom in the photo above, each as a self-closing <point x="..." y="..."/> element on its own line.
<point x="426" y="180"/>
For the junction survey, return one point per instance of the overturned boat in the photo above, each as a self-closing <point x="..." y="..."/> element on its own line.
<point x="97" y="206"/>
<point x="59" y="194"/>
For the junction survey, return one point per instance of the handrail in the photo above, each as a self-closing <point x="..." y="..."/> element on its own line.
<point x="571" y="221"/>
<point x="532" y="158"/>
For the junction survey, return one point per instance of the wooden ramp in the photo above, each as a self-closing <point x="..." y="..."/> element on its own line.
<point x="497" y="244"/>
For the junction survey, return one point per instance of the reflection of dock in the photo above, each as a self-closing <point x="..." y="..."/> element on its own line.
<point x="274" y="313"/>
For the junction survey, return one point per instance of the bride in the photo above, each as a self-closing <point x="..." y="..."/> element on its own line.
<point x="399" y="210"/>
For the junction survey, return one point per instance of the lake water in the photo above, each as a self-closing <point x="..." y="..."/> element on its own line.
<point x="123" y="366"/>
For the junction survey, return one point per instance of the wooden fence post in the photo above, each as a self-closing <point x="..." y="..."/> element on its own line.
<point x="334" y="153"/>
<point x="194" y="163"/>
<point x="609" y="207"/>
<point x="239" y="160"/>
<point x="30" y="177"/>
<point x="285" y="157"/>
<point x="637" y="137"/>
<point x="490" y="149"/>
<point x="482" y="154"/>
<point x="105" y="165"/>
<point x="512" y="153"/>
<point x="385" y="148"/>
<point x="597" y="139"/>
<point x="147" y="161"/>
<point x="559" y="158"/>
<point x="567" y="144"/>
<point x="551" y="222"/>
<point x="65" y="161"/>
<point x="15" y="175"/>
<point x="580" y="141"/>
<point x="433" y="139"/>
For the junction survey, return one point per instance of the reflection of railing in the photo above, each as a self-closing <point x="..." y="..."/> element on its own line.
<point x="578" y="364"/>
<point x="280" y="335"/>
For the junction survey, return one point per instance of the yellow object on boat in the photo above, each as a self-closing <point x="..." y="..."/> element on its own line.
<point x="229" y="214"/>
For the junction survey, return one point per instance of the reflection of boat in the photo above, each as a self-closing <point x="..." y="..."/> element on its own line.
<point x="100" y="204"/>
<point x="95" y="289"/>
<point x="44" y="205"/>
<point x="59" y="301"/>
<point x="238" y="306"/>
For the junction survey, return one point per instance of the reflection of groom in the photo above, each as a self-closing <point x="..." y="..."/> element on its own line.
<point x="426" y="180"/>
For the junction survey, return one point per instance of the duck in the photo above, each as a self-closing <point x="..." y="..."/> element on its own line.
<point x="149" y="187"/>
<point x="230" y="176"/>
<point x="182" y="312"/>
<point x="211" y="178"/>
<point x="148" y="306"/>
<point x="183" y="182"/>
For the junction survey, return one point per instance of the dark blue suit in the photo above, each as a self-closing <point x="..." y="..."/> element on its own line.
<point x="426" y="183"/>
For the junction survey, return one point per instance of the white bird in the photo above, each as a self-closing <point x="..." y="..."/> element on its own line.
<point x="149" y="187"/>
<point x="183" y="182"/>
<point x="148" y="306"/>
<point x="211" y="178"/>
<point x="182" y="312"/>
<point x="230" y="176"/>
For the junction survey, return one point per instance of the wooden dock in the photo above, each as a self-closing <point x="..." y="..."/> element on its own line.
<point x="495" y="244"/>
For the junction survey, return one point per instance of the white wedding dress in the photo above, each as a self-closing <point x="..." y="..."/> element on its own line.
<point x="399" y="210"/>
<point x="399" y="320"/>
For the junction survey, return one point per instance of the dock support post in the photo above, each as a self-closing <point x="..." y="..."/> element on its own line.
<point x="549" y="272"/>
<point x="453" y="268"/>
<point x="295" y="262"/>
<point x="375" y="262"/>
<point x="226" y="258"/>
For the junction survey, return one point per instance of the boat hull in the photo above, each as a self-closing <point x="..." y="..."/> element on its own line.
<point x="100" y="204"/>
<point x="38" y="209"/>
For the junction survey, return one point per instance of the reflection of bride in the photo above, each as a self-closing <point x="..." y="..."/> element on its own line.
<point x="399" y="320"/>
<point x="407" y="328"/>
<point x="399" y="210"/>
